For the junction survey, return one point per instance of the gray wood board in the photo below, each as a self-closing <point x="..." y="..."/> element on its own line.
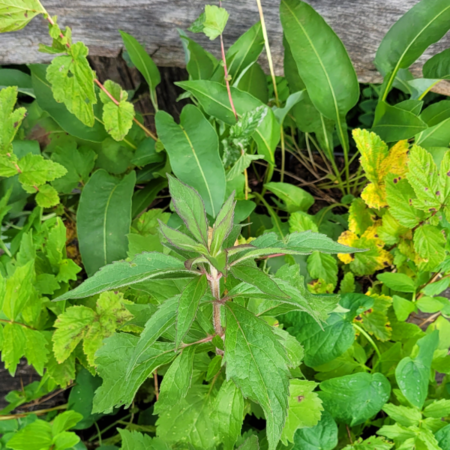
<point x="361" y="24"/>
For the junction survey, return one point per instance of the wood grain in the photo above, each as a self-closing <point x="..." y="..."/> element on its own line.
<point x="361" y="24"/>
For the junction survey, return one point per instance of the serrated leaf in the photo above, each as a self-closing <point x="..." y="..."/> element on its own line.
<point x="429" y="244"/>
<point x="412" y="374"/>
<point x="38" y="432"/>
<point x="397" y="282"/>
<point x="188" y="305"/>
<point x="359" y="218"/>
<point x="72" y="81"/>
<point x="223" y="225"/>
<point x="403" y="415"/>
<point x="47" y="196"/>
<point x="257" y="363"/>
<point x="177" y="380"/>
<point x="112" y="361"/>
<point x="353" y="399"/>
<point x="133" y="440"/>
<point x="372" y="442"/>
<point x="323" y="436"/>
<point x="18" y="291"/>
<point x="375" y="321"/>
<point x="10" y="119"/>
<point x="437" y="409"/>
<point x="323" y="266"/>
<point x="181" y="240"/>
<point x="118" y="118"/>
<point x="305" y="408"/>
<point x="35" y="170"/>
<point x="229" y="414"/>
<point x="16" y="14"/>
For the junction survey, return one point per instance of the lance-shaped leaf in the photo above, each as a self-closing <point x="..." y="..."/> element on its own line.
<point x="322" y="62"/>
<point x="256" y="277"/>
<point x="223" y="225"/>
<point x="180" y="240"/>
<point x="438" y="66"/>
<point x="213" y="97"/>
<point x="229" y="414"/>
<point x="141" y="59"/>
<point x="412" y="374"/>
<point x="188" y="305"/>
<point x="403" y="43"/>
<point x="118" y="118"/>
<point x="112" y="362"/>
<point x="72" y="81"/>
<point x="16" y="14"/>
<point x="177" y="380"/>
<point x="143" y="267"/>
<point x="189" y="206"/>
<point x="193" y="149"/>
<point x="161" y="321"/>
<point x="104" y="219"/>
<point x="257" y="362"/>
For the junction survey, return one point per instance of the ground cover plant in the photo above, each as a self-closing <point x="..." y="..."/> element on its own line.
<point x="189" y="289"/>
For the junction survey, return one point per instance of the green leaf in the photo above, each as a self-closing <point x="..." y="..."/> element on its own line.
<point x="14" y="77"/>
<point x="323" y="436"/>
<point x="322" y="342"/>
<point x="324" y="267"/>
<point x="112" y="362"/>
<point x="141" y="59"/>
<point x="403" y="415"/>
<point x="34" y="436"/>
<point x="47" y="196"/>
<point x="372" y="442"/>
<point x="353" y="399"/>
<point x="257" y="363"/>
<point x="188" y="305"/>
<point x="132" y="440"/>
<point x="228" y="414"/>
<point x="189" y="422"/>
<point x="256" y="277"/>
<point x="19" y="289"/>
<point x="118" y="119"/>
<point x="79" y="163"/>
<point x="72" y="81"/>
<point x="35" y="170"/>
<point x="438" y="66"/>
<point x="160" y="322"/>
<point x="104" y="219"/>
<point x="397" y="282"/>
<point x="403" y="43"/>
<point x="304" y="411"/>
<point x="245" y="51"/>
<point x="295" y="198"/>
<point x="213" y="97"/>
<point x="212" y="22"/>
<point x="291" y="101"/>
<point x="429" y="243"/>
<point x="65" y="421"/>
<point x="412" y="374"/>
<point x="193" y="148"/>
<point x="396" y="124"/>
<point x="443" y="437"/>
<point x="400" y="197"/>
<point x="176" y="381"/>
<point x="322" y="62"/>
<point x="437" y="409"/>
<point x="421" y="165"/>
<point x="200" y="64"/>
<point x="10" y="119"/>
<point x="59" y="113"/>
<point x="403" y="308"/>
<point x="180" y="240"/>
<point x="15" y="15"/>
<point x="143" y="267"/>
<point x="223" y="225"/>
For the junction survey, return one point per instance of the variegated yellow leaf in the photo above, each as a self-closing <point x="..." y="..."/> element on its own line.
<point x="374" y="195"/>
<point x="347" y="238"/>
<point x="396" y="162"/>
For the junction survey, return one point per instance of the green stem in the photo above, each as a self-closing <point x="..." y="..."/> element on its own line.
<point x="367" y="336"/>
<point x="38" y="413"/>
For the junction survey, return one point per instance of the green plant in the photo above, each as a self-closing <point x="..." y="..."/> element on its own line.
<point x="187" y="325"/>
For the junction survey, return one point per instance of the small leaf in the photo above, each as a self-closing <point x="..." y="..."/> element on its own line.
<point x="295" y="198"/>
<point x="72" y="81"/>
<point x="212" y="22"/>
<point x="47" y="196"/>
<point x="397" y="282"/>
<point x="429" y="243"/>
<point x="10" y="119"/>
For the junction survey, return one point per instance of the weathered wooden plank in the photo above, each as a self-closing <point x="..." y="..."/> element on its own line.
<point x="361" y="24"/>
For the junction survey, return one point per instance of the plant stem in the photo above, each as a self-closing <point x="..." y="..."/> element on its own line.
<point x="367" y="336"/>
<point x="16" y="323"/>
<point x="38" y="413"/>
<point x="214" y="282"/>
<point x="155" y="379"/>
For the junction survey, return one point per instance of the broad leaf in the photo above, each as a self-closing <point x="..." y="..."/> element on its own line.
<point x="295" y="198"/>
<point x="104" y="219"/>
<point x="353" y="399"/>
<point x="438" y="66"/>
<point x="412" y="374"/>
<point x="322" y="62"/>
<point x="10" y="118"/>
<point x="323" y="436"/>
<point x="193" y="148"/>
<point x="257" y="363"/>
<point x="16" y="14"/>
